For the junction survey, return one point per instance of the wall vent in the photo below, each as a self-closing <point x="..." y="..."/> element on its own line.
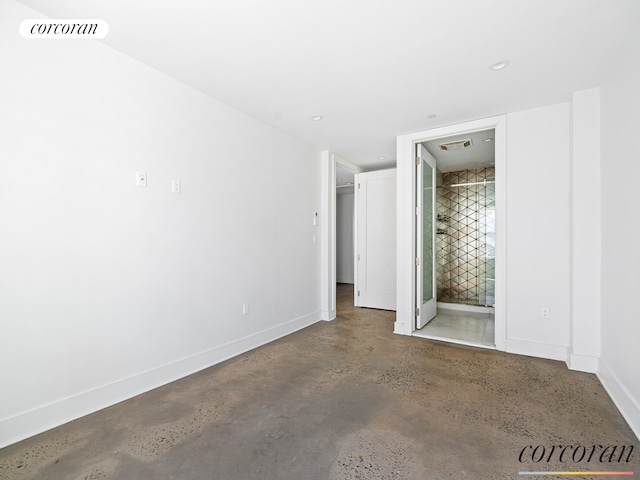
<point x="457" y="145"/>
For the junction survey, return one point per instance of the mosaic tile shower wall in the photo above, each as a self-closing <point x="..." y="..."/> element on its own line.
<point x="465" y="237"/>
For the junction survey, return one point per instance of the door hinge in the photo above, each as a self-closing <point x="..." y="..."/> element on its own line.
<point x="358" y="186"/>
<point x="417" y="261"/>
<point x="417" y="160"/>
<point x="358" y="257"/>
<point x="358" y="292"/>
<point x="417" y="312"/>
<point x="417" y="211"/>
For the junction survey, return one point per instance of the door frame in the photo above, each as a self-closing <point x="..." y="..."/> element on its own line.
<point x="327" y="224"/>
<point x="406" y="226"/>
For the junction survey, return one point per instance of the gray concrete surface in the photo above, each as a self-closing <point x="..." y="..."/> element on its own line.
<point x="342" y="400"/>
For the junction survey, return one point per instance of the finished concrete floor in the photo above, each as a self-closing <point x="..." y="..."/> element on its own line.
<point x="346" y="399"/>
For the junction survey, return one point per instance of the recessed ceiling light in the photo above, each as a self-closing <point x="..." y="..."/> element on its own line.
<point x="488" y="139"/>
<point x="499" y="65"/>
<point x="432" y="115"/>
<point x="382" y="158"/>
<point x="316" y="118"/>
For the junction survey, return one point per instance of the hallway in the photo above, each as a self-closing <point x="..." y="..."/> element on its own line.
<point x="345" y="399"/>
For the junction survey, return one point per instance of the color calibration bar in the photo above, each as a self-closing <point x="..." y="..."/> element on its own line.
<point x="575" y="473"/>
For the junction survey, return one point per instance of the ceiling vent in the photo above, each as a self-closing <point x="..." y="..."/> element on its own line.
<point x="456" y="145"/>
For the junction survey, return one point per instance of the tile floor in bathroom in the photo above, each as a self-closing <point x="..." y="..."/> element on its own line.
<point x="470" y="328"/>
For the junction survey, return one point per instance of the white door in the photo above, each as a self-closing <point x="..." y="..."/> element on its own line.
<point x="425" y="236"/>
<point x="375" y="282"/>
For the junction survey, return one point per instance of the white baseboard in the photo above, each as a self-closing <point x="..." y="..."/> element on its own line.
<point x="344" y="280"/>
<point x="540" y="350"/>
<point x="583" y="363"/>
<point x="38" y="420"/>
<point x="628" y="406"/>
<point x="327" y="315"/>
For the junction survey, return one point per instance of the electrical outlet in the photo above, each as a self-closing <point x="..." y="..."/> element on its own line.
<point x="141" y="179"/>
<point x="544" y="312"/>
<point x="176" y="186"/>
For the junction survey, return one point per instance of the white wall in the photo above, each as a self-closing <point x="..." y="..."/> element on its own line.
<point x="108" y="289"/>
<point x="620" y="104"/>
<point x="344" y="237"/>
<point x="539" y="230"/>
<point x="586" y="231"/>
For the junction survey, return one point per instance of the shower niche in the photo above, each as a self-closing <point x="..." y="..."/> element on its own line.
<point x="465" y="237"/>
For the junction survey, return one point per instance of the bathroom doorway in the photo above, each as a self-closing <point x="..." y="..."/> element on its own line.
<point x="462" y="230"/>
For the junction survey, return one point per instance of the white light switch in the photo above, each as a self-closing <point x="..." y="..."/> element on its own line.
<point x="245" y="308"/>
<point x="141" y="179"/>
<point x="176" y="186"/>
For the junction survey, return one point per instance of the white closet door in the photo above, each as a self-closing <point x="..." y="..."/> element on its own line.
<point x="376" y="240"/>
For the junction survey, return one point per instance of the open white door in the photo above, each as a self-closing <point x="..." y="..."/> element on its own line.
<point x="425" y="237"/>
<point x="375" y="279"/>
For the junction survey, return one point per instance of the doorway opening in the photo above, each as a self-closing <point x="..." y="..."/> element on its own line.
<point x="345" y="246"/>
<point x="330" y="165"/>
<point x="467" y="233"/>
<point x="345" y="228"/>
<point x="461" y="229"/>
